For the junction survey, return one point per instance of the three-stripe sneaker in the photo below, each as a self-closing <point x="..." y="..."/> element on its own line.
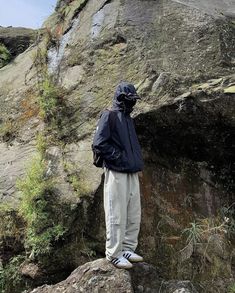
<point x="131" y="256"/>
<point x="121" y="263"/>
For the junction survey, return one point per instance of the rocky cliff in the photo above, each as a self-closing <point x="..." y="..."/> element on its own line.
<point x="15" y="41"/>
<point x="181" y="57"/>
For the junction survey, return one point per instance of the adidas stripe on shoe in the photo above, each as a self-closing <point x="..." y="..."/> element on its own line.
<point x="131" y="256"/>
<point x="121" y="263"/>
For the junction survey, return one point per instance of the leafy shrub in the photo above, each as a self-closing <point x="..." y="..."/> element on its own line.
<point x="11" y="225"/>
<point x="48" y="99"/>
<point x="203" y="229"/>
<point x="5" y="55"/>
<point x="41" y="143"/>
<point x="193" y="233"/>
<point x="39" y="209"/>
<point x="229" y="213"/>
<point x="10" y="276"/>
<point x="232" y="288"/>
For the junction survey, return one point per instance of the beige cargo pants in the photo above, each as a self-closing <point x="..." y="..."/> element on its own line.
<point x="122" y="211"/>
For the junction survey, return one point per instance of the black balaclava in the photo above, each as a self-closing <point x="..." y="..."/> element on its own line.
<point x="125" y="97"/>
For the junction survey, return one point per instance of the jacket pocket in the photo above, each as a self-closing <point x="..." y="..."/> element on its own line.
<point x="119" y="160"/>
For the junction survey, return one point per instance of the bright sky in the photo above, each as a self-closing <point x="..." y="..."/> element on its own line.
<point x="25" y="13"/>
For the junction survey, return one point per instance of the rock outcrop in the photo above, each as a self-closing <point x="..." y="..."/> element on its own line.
<point x="181" y="57"/>
<point x="101" y="276"/>
<point x="17" y="39"/>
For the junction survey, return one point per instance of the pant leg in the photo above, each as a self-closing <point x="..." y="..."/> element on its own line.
<point x="115" y="207"/>
<point x="133" y="214"/>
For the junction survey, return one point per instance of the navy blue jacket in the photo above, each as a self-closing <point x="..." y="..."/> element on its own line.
<point x="119" y="146"/>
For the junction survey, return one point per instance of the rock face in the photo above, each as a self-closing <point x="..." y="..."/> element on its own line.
<point x="211" y="7"/>
<point x="93" y="277"/>
<point x="101" y="276"/>
<point x="181" y="57"/>
<point x="17" y="39"/>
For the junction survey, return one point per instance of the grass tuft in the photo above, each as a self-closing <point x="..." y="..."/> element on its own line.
<point x="39" y="209"/>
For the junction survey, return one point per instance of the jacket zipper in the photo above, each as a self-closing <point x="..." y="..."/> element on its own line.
<point x="130" y="140"/>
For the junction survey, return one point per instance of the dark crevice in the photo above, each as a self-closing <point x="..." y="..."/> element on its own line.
<point x="80" y="8"/>
<point x="76" y="14"/>
<point x="105" y="3"/>
<point x="96" y="221"/>
<point x="110" y="40"/>
<point x="199" y="134"/>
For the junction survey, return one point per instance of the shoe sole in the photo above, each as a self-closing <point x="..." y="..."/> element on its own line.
<point x="135" y="261"/>
<point x="128" y="266"/>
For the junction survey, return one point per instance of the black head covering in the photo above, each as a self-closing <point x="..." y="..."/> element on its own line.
<point x="125" y="97"/>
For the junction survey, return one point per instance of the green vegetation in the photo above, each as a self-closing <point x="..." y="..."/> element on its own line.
<point x="76" y="179"/>
<point x="231" y="288"/>
<point x="48" y="100"/>
<point x="229" y="214"/>
<point x="11" y="226"/>
<point x="207" y="242"/>
<point x="5" y="55"/>
<point x="28" y="108"/>
<point x="52" y="105"/>
<point x="193" y="233"/>
<point x="88" y="250"/>
<point x="202" y="230"/>
<point x="41" y="143"/>
<point x="200" y="233"/>
<point x="49" y="94"/>
<point x="78" y="184"/>
<point x="54" y="110"/>
<point x="38" y="208"/>
<point x="10" y="276"/>
<point x="41" y="220"/>
<point x="11" y="235"/>
<point x="8" y="130"/>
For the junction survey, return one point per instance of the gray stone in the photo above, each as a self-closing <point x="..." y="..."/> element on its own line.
<point x="181" y="58"/>
<point x="178" y="287"/>
<point x="88" y="278"/>
<point x="17" y="39"/>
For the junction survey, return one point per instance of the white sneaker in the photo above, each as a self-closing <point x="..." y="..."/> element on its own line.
<point x="131" y="256"/>
<point x="121" y="263"/>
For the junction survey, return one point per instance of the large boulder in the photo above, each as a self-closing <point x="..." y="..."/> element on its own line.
<point x="180" y="56"/>
<point x="101" y="276"/>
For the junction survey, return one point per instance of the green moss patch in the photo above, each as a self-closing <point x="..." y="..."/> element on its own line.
<point x="5" y="55"/>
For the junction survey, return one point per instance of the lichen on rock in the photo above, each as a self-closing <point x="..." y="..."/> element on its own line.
<point x="180" y="56"/>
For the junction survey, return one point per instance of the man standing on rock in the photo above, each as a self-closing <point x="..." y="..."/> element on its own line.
<point x="117" y="143"/>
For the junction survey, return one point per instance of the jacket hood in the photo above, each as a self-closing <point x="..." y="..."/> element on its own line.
<point x="128" y="91"/>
